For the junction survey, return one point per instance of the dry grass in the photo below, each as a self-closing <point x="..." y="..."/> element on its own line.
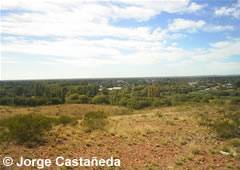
<point x="76" y="110"/>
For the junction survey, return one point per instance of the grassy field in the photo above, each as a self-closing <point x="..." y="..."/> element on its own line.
<point x="162" y="138"/>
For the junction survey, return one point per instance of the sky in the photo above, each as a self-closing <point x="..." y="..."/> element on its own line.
<point x="51" y="39"/>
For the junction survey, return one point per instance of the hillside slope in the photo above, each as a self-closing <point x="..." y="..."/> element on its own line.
<point x="162" y="138"/>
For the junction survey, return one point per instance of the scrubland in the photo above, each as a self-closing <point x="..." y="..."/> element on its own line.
<point x="177" y="137"/>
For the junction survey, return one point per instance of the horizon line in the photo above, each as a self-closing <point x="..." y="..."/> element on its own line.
<point x="131" y="77"/>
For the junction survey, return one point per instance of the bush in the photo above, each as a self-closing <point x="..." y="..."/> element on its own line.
<point x="226" y="129"/>
<point x="66" y="120"/>
<point x="229" y="126"/>
<point x="225" y="122"/>
<point x="195" y="150"/>
<point x="161" y="102"/>
<point x="30" y="128"/>
<point x="159" y="114"/>
<point x="178" y="99"/>
<point x="54" y="100"/>
<point x="122" y="101"/>
<point x="158" y="103"/>
<point x="235" y="142"/>
<point x="136" y="103"/>
<point x="95" y="120"/>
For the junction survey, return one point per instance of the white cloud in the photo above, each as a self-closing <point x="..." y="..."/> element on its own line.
<point x="221" y="44"/>
<point x="140" y="10"/>
<point x="65" y="47"/>
<point x="192" y="26"/>
<point x="83" y="52"/>
<point x="85" y="18"/>
<point x="226" y="66"/>
<point x="132" y="12"/>
<point x="188" y="25"/>
<point x="73" y="24"/>
<point x="106" y="51"/>
<point x="170" y="6"/>
<point x="7" y="60"/>
<point x="195" y="7"/>
<point x="224" y="11"/>
<point x="233" y="11"/>
<point x="219" y="50"/>
<point x="216" y="28"/>
<point x="85" y="62"/>
<point x="81" y="28"/>
<point x="180" y="64"/>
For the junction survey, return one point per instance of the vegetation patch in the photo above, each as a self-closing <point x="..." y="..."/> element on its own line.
<point x="225" y="122"/>
<point x="95" y="120"/>
<point x="66" y="120"/>
<point x="196" y="150"/>
<point x="235" y="142"/>
<point x="159" y="114"/>
<point x="30" y="128"/>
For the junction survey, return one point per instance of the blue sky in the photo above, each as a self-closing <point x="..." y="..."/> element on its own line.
<point x="48" y="39"/>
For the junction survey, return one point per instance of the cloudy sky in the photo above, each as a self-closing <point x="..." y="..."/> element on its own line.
<point x="43" y="39"/>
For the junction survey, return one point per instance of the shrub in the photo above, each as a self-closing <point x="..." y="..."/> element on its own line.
<point x="161" y="102"/>
<point x="158" y="103"/>
<point x="123" y="101"/>
<point x="66" y="120"/>
<point x="159" y="114"/>
<point x="196" y="99"/>
<point x="138" y="103"/>
<point x="235" y="142"/>
<point x="195" y="150"/>
<point x="54" y="100"/>
<point x="229" y="126"/>
<point x="178" y="99"/>
<point x="225" y="123"/>
<point x="95" y="120"/>
<point x="30" y="128"/>
<point x="225" y="129"/>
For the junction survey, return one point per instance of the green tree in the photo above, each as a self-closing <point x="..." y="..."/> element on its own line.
<point x="83" y="99"/>
<point x="100" y="99"/>
<point x="154" y="90"/>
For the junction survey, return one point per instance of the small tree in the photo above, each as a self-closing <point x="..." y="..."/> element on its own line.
<point x="95" y="120"/>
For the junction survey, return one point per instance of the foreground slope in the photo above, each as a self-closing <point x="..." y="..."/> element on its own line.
<point x="162" y="138"/>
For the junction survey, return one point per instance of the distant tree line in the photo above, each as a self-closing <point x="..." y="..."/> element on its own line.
<point x="135" y="93"/>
